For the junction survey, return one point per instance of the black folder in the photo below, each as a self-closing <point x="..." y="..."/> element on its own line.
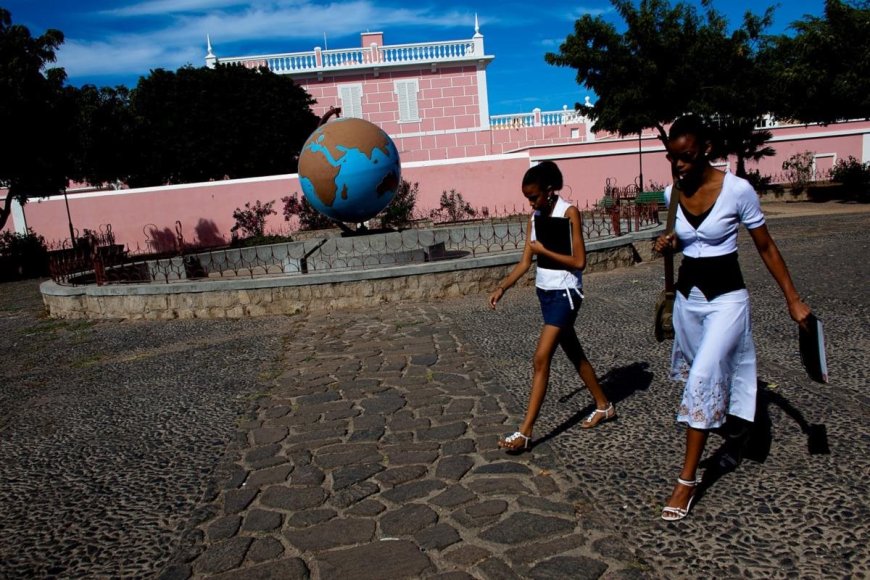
<point x="555" y="234"/>
<point x="811" y="338"/>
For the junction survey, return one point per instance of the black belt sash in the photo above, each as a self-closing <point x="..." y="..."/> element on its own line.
<point x="712" y="276"/>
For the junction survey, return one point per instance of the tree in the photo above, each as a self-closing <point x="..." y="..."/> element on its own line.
<point x="641" y="75"/>
<point x="309" y="218"/>
<point x="197" y="124"/>
<point x="822" y="73"/>
<point x="737" y="104"/>
<point x="453" y="207"/>
<point x="252" y="220"/>
<point x="400" y="212"/>
<point x="105" y="135"/>
<point x="34" y="114"/>
<point x="662" y="66"/>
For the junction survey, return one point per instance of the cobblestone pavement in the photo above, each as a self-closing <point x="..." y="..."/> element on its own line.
<point x="362" y="444"/>
<point x="797" y="505"/>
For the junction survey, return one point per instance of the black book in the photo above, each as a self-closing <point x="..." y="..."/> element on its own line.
<point x="555" y="234"/>
<point x="811" y="338"/>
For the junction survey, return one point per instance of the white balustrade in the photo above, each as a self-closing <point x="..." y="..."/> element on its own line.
<point x="512" y="121"/>
<point x="347" y="58"/>
<point x="292" y="63"/>
<point x="545" y="118"/>
<point x="397" y="54"/>
<point x="427" y="52"/>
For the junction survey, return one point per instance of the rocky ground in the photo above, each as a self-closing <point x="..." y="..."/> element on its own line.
<point x="321" y="445"/>
<point x="797" y="505"/>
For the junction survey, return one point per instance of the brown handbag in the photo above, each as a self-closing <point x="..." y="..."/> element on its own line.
<point x="664" y="310"/>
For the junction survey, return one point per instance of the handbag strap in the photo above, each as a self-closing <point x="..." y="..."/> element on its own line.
<point x="669" y="229"/>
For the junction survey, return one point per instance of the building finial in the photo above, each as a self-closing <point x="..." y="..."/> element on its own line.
<point x="476" y="25"/>
<point x="210" y="58"/>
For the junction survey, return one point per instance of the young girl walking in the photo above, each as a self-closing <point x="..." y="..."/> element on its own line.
<point x="560" y="294"/>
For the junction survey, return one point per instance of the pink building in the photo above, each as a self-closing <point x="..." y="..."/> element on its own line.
<point x="432" y="100"/>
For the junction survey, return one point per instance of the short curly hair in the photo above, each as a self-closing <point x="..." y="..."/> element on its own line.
<point x="691" y="125"/>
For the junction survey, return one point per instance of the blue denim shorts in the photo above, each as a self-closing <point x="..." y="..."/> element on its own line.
<point x="556" y="307"/>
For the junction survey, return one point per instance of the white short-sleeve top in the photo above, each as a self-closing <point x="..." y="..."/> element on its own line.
<point x="717" y="235"/>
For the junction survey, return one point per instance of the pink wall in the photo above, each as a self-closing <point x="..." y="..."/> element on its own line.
<point x="204" y="210"/>
<point x="829" y="143"/>
<point x="490" y="180"/>
<point x="10" y="226"/>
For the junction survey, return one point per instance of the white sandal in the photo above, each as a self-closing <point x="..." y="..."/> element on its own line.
<point x="673" y="514"/>
<point x="508" y="443"/>
<point x="599" y="416"/>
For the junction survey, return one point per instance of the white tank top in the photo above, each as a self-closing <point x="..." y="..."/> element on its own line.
<point x="547" y="279"/>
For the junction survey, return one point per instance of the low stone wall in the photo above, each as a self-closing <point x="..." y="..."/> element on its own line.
<point x="238" y="298"/>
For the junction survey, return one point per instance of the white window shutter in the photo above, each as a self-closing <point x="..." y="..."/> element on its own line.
<point x="406" y="92"/>
<point x="351" y="100"/>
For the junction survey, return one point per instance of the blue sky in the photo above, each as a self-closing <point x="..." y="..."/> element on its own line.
<point x="112" y="42"/>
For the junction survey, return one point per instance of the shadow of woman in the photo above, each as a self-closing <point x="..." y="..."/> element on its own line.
<point x="618" y="383"/>
<point x="752" y="440"/>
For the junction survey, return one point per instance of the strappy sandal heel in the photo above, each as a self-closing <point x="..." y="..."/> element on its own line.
<point x="516" y="441"/>
<point x="599" y="416"/>
<point x="673" y="514"/>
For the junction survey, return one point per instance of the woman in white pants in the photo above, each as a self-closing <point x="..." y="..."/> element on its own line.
<point x="713" y="351"/>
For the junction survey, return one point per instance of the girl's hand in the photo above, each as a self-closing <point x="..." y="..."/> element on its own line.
<point x="495" y="297"/>
<point x="798" y="311"/>
<point x="666" y="242"/>
<point x="535" y="247"/>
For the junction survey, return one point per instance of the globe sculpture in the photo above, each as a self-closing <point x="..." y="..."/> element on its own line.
<point x="349" y="170"/>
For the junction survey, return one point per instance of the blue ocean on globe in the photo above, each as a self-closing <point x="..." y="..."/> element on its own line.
<point x="349" y="170"/>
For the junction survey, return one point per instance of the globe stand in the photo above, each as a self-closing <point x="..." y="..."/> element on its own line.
<point x="362" y="230"/>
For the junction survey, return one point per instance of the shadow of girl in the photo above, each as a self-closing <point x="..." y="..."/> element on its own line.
<point x="618" y="383"/>
<point x="744" y="440"/>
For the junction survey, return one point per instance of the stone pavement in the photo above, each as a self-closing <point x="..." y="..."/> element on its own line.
<point x="366" y="443"/>
<point x="375" y="457"/>
<point x="797" y="505"/>
<point x="378" y="445"/>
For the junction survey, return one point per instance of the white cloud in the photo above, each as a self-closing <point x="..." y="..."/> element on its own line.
<point x="178" y="36"/>
<point x="166" y="7"/>
<point x="93" y="59"/>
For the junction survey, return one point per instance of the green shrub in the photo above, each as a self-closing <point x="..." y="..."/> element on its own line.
<point x="309" y="218"/>
<point x="799" y="169"/>
<point x="400" y="213"/>
<point x="22" y="256"/>
<point x="252" y="220"/>
<point x="851" y="173"/>
<point x="453" y="207"/>
<point x="759" y="182"/>
<point x="261" y="241"/>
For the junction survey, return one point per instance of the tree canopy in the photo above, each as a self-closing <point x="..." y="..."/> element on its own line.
<point x="647" y="75"/>
<point x="34" y="158"/>
<point x="822" y="73"/>
<point x="197" y="124"/>
<point x="105" y="135"/>
<point x="194" y="124"/>
<point x="672" y="60"/>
